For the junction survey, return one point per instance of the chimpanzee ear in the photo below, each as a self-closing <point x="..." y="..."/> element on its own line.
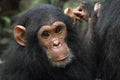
<point x="19" y="34"/>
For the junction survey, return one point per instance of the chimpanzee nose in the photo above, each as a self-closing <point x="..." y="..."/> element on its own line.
<point x="56" y="43"/>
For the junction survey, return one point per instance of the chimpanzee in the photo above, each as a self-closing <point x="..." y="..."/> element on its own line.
<point x="107" y="41"/>
<point x="46" y="46"/>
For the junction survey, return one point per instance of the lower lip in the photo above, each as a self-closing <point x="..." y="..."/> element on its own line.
<point x="62" y="59"/>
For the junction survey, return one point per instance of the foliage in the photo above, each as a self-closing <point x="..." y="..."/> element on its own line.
<point x="5" y="31"/>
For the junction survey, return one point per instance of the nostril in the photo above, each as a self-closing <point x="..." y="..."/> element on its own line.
<point x="56" y="43"/>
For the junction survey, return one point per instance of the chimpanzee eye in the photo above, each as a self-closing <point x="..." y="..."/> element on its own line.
<point x="58" y="29"/>
<point x="45" y="34"/>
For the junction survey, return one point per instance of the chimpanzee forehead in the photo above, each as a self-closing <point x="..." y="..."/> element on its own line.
<point x="45" y="15"/>
<point x="45" y="11"/>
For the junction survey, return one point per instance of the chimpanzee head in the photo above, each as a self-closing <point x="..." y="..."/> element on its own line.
<point x="46" y="30"/>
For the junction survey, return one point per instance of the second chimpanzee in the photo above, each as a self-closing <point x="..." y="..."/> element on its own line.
<point x="46" y="47"/>
<point x="106" y="39"/>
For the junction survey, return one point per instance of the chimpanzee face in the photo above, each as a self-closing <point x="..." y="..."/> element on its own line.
<point x="52" y="37"/>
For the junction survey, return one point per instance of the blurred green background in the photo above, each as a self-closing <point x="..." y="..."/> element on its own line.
<point x="10" y="9"/>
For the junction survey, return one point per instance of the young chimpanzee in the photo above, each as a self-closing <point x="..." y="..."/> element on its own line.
<point x="46" y="47"/>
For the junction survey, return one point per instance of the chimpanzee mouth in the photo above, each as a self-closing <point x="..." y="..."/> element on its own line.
<point x="62" y="58"/>
<point x="63" y="61"/>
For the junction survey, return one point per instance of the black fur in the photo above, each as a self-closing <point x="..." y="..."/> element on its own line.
<point x="31" y="63"/>
<point x="107" y="41"/>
